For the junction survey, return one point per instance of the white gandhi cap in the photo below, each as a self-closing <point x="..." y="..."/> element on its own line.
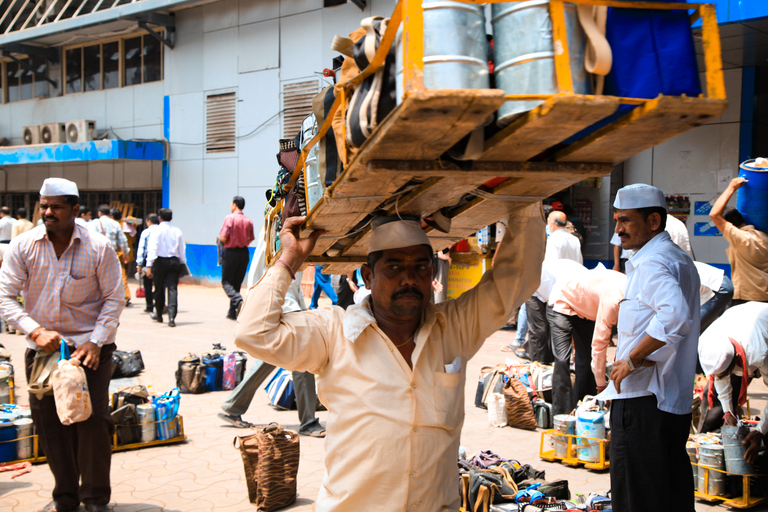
<point x="639" y="195"/>
<point x="59" y="187"/>
<point x="393" y="233"/>
<point x="715" y="354"/>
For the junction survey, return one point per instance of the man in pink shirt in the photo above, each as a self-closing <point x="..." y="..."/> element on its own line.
<point x="585" y="309"/>
<point x="236" y="234"/>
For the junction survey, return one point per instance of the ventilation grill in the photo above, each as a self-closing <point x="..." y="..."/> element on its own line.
<point x="297" y="104"/>
<point x="220" y="123"/>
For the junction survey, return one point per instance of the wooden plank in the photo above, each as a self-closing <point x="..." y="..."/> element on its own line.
<point x="423" y="127"/>
<point x="547" y="125"/>
<point x="642" y="128"/>
<point x="484" y="171"/>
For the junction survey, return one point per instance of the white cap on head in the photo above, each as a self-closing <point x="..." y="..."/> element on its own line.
<point x="715" y="354"/>
<point x="639" y="195"/>
<point x="393" y="233"/>
<point x="59" y="187"/>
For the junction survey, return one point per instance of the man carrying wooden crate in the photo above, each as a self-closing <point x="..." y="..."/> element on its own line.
<point x="392" y="369"/>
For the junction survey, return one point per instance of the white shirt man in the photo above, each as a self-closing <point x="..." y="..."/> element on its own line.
<point x="560" y="243"/>
<point x="165" y="257"/>
<point x="678" y="232"/>
<point x="652" y="379"/>
<point x="6" y="225"/>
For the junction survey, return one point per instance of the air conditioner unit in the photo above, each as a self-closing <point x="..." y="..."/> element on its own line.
<point x="52" y="133"/>
<point x="31" y="134"/>
<point x="81" y="130"/>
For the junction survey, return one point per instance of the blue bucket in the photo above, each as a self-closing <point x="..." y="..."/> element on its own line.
<point x="7" y="441"/>
<point x="752" y="198"/>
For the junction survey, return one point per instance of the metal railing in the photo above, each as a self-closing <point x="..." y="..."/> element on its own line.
<point x="17" y="15"/>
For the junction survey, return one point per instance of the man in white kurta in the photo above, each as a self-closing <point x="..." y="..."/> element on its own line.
<point x="735" y="341"/>
<point x="652" y="379"/>
<point x="391" y="370"/>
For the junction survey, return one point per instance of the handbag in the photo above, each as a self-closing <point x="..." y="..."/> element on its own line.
<point x="136" y="395"/>
<point x="167" y="407"/>
<point x="271" y="463"/>
<point x="70" y="389"/>
<point x="519" y="410"/>
<point x="214" y="370"/>
<point x="140" y="293"/>
<point x="126" y="420"/>
<point x="43" y="367"/>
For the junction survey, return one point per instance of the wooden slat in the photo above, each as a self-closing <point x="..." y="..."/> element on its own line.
<point x="547" y="125"/>
<point x="644" y="127"/>
<point x="423" y="127"/>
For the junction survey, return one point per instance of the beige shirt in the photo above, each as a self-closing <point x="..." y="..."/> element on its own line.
<point x="20" y="226"/>
<point x="748" y="256"/>
<point x="392" y="433"/>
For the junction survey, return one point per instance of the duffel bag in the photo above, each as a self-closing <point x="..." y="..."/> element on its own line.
<point x="190" y="376"/>
<point x="126" y="363"/>
<point x="280" y="390"/>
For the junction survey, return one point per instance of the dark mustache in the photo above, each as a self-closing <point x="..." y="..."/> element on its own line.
<point x="407" y="291"/>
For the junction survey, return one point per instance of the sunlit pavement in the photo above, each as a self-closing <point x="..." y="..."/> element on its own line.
<point x="206" y="472"/>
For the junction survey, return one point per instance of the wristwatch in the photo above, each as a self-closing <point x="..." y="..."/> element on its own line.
<point x="97" y="343"/>
<point x="630" y="364"/>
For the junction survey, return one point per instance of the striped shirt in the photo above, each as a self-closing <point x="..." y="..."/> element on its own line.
<point x="80" y="295"/>
<point x="111" y="229"/>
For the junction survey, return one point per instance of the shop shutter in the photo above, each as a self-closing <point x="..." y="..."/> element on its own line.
<point x="220" y="123"/>
<point x="297" y="104"/>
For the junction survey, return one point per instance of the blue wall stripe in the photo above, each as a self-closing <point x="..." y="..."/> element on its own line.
<point x="202" y="261"/>
<point x="166" y="166"/>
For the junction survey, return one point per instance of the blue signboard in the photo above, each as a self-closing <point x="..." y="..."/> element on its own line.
<point x="706" y="229"/>
<point x="702" y="208"/>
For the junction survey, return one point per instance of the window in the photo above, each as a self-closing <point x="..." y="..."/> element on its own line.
<point x="297" y="104"/>
<point x="220" y="123"/>
<point x="24" y="82"/>
<point x="130" y="61"/>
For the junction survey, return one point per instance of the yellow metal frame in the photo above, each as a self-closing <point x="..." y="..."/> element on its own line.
<point x="37" y="458"/>
<point x="410" y="14"/>
<point x="571" y="448"/>
<point x="745" y="501"/>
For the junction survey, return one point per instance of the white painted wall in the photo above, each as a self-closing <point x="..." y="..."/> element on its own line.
<point x="691" y="164"/>
<point x="250" y="47"/>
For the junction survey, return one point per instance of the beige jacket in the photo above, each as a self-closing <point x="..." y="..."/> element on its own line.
<point x="393" y="433"/>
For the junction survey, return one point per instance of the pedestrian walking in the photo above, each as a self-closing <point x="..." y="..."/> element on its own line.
<point x="651" y="385"/>
<point x="84" y="217"/>
<point x="6" y="225"/>
<point x="141" y="260"/>
<point x="125" y="257"/>
<point x="390" y="370"/>
<point x="303" y="382"/>
<point x="110" y="228"/>
<point x="165" y="257"/>
<point x="21" y="224"/>
<point x="236" y="234"/>
<point x="80" y="306"/>
<point x="322" y="285"/>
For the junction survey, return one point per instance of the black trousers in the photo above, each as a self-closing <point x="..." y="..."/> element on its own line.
<point x="712" y="419"/>
<point x="563" y="329"/>
<point x="148" y="292"/>
<point x="165" y="273"/>
<point x="80" y="454"/>
<point x="539" y="347"/>
<point x="234" y="263"/>
<point x="650" y="469"/>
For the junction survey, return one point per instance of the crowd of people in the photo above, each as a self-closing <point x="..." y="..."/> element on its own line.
<point x="392" y="362"/>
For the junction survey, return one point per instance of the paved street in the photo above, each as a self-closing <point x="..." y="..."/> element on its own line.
<point x="206" y="473"/>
